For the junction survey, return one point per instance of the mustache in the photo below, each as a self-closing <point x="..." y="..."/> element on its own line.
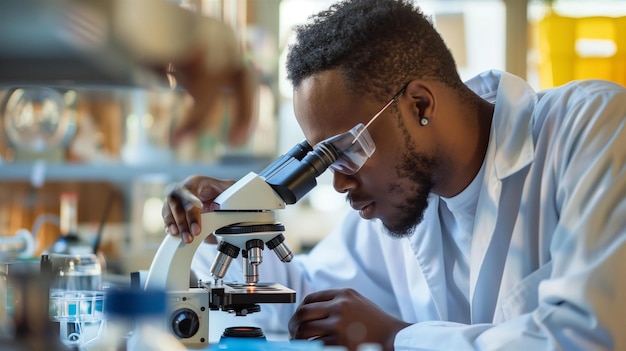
<point x="350" y="198"/>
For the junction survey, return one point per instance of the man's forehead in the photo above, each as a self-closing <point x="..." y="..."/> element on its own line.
<point x="321" y="88"/>
<point x="323" y="106"/>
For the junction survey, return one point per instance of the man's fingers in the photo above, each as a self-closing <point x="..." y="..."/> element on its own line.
<point x="322" y="295"/>
<point x="310" y="324"/>
<point x="186" y="201"/>
<point x="168" y="220"/>
<point x="308" y="320"/>
<point x="171" y="229"/>
<point x="193" y="213"/>
<point x="180" y="213"/>
<point x="192" y="205"/>
<point x="186" y="237"/>
<point x="189" y="200"/>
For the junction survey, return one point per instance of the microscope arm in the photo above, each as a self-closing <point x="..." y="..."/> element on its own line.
<point x="171" y="266"/>
<point x="250" y="200"/>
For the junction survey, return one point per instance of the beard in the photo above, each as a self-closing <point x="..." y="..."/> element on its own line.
<point x="417" y="170"/>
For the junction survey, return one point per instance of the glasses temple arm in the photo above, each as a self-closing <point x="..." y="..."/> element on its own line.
<point x="373" y="119"/>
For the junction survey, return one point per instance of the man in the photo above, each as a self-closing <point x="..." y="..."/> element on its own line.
<point x="505" y="209"/>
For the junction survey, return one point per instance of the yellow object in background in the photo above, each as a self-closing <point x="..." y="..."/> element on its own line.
<point x="573" y="48"/>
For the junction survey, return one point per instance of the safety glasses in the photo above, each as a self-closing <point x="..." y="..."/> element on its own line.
<point x="356" y="145"/>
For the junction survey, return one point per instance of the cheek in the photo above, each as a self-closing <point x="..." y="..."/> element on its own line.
<point x="381" y="172"/>
<point x="383" y="179"/>
<point x="387" y="155"/>
<point x="386" y="184"/>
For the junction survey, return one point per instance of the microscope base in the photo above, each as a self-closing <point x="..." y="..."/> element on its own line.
<point x="188" y="315"/>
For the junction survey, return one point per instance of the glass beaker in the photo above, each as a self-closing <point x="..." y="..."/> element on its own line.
<point x="76" y="298"/>
<point x="76" y="272"/>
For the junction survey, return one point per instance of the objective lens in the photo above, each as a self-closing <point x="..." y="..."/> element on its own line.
<point x="250" y="271"/>
<point x="255" y="251"/>
<point x="226" y="253"/>
<point x="280" y="248"/>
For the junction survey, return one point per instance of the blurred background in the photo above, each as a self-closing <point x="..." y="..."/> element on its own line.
<point x="93" y="160"/>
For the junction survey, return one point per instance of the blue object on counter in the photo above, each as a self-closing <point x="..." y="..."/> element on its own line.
<point x="135" y="302"/>
<point x="246" y="344"/>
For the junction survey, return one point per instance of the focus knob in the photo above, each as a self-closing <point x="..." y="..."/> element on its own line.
<point x="185" y="323"/>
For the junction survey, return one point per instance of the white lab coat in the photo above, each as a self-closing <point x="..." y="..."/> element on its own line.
<point x="548" y="252"/>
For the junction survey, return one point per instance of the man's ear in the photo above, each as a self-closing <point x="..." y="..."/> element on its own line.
<point x="421" y="98"/>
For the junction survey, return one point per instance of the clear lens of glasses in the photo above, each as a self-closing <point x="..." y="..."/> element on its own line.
<point x="353" y="151"/>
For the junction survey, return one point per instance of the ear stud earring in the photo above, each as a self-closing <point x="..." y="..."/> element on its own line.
<point x="424" y="121"/>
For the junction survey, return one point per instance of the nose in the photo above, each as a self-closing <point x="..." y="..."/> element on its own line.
<point x="343" y="182"/>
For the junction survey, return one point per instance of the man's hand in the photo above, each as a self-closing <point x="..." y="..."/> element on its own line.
<point x="343" y="317"/>
<point x="186" y="201"/>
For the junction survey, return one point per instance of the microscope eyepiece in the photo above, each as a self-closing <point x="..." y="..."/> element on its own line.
<point x="295" y="178"/>
<point x="322" y="156"/>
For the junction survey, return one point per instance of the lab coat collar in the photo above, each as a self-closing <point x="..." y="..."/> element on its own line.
<point x="511" y="149"/>
<point x="511" y="125"/>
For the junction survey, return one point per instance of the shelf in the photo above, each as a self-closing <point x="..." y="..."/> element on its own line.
<point x="38" y="172"/>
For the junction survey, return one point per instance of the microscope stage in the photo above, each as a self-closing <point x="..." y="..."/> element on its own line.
<point x="243" y="294"/>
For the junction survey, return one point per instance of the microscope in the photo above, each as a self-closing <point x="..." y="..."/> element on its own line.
<point x="246" y="223"/>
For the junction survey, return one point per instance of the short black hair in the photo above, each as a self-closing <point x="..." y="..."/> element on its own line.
<point x="378" y="45"/>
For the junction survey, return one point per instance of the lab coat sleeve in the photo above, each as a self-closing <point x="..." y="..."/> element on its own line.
<point x="343" y="259"/>
<point x="582" y="303"/>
